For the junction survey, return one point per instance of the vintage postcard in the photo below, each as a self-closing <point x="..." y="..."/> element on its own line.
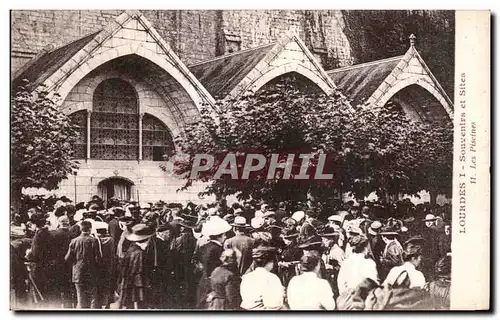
<point x="250" y="160"/>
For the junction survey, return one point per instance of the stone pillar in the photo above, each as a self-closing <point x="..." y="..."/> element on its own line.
<point x="89" y="113"/>
<point x="141" y="115"/>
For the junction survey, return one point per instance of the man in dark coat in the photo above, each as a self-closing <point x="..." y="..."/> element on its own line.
<point x="309" y="228"/>
<point x="241" y="243"/>
<point x="84" y="254"/>
<point x="39" y="253"/>
<point x="60" y="277"/>
<point x="290" y="256"/>
<point x="114" y="225"/>
<point x="182" y="250"/>
<point x="18" y="272"/>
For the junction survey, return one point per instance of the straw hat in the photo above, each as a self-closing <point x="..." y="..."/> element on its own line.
<point x="429" y="217"/>
<point x="298" y="215"/>
<point x="215" y="226"/>
<point x="240" y="221"/>
<point x="140" y="232"/>
<point x="257" y="222"/>
<point x="335" y="218"/>
<point x="374" y="228"/>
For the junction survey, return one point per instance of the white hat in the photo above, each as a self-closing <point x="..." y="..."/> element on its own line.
<point x="238" y="211"/>
<point x="430" y="217"/>
<point x="257" y="222"/>
<point x="298" y="215"/>
<point x="215" y="226"/>
<point x="335" y="217"/>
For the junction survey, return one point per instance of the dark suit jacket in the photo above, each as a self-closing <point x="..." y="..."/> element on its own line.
<point x="84" y="254"/>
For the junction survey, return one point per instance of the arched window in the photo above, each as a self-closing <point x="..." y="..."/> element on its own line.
<point x="156" y="139"/>
<point x="114" y="133"/>
<point x="115" y="127"/>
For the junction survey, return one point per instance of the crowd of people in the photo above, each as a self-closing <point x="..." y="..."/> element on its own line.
<point x="246" y="256"/>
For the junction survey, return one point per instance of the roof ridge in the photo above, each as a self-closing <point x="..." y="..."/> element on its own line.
<point x="231" y="54"/>
<point x="93" y="34"/>
<point x="365" y="64"/>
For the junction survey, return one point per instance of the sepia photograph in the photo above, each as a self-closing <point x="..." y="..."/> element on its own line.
<point x="244" y="160"/>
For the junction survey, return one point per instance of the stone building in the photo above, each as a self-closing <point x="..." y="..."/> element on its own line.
<point x="133" y="80"/>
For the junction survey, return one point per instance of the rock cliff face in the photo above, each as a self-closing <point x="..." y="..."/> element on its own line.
<point x="337" y="38"/>
<point x="380" y="34"/>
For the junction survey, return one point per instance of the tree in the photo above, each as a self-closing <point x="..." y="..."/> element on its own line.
<point x="279" y="119"/>
<point x="369" y="149"/>
<point x="41" y="142"/>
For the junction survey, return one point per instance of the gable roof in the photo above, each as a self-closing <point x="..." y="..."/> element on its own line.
<point x="222" y="74"/>
<point x="358" y="82"/>
<point x="46" y="64"/>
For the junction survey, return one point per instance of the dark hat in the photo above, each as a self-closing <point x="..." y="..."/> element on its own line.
<point x="229" y="218"/>
<point x="118" y="210"/>
<point x="328" y="232"/>
<point x="39" y="216"/>
<point x="415" y="240"/>
<point x="388" y="231"/>
<point x="314" y="242"/>
<point x="273" y="226"/>
<point x="262" y="251"/>
<point x="140" y="232"/>
<point x="188" y="224"/>
<point x="290" y="233"/>
<point x="65" y="199"/>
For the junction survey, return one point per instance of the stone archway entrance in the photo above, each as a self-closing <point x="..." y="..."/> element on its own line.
<point x="119" y="188"/>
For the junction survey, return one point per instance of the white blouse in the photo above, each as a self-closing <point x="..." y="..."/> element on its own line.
<point x="308" y="292"/>
<point x="261" y="290"/>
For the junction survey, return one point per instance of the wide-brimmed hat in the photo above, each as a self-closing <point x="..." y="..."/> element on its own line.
<point x="268" y="214"/>
<point x="298" y="215"/>
<point x="314" y="242"/>
<point x="273" y="226"/>
<point x="289" y="233"/>
<point x="429" y="217"/>
<point x="415" y="240"/>
<point x="263" y="250"/>
<point x="140" y="232"/>
<point x="354" y="229"/>
<point x="328" y="231"/>
<point x="336" y="218"/>
<point x="188" y="224"/>
<point x="388" y="231"/>
<point x="374" y="228"/>
<point x="215" y="226"/>
<point x="258" y="222"/>
<point x="240" y="221"/>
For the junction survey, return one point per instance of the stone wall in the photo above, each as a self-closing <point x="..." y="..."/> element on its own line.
<point x="194" y="35"/>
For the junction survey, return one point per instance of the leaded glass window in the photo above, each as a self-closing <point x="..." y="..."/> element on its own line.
<point x="114" y="124"/>
<point x="79" y="121"/>
<point x="156" y="139"/>
<point x="114" y="127"/>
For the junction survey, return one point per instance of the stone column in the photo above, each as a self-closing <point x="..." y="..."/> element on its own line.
<point x="141" y="115"/>
<point x="89" y="113"/>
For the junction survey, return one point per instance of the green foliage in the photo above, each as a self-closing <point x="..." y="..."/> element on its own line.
<point x="371" y="149"/>
<point x="41" y="141"/>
